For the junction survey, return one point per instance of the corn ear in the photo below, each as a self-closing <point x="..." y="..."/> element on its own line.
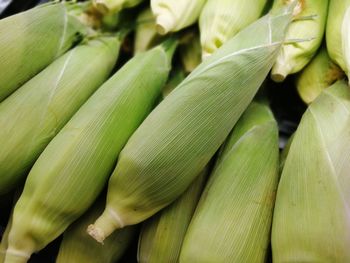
<point x="176" y="141"/>
<point x="238" y="201"/>
<point x="338" y="33"/>
<point x="146" y="35"/>
<point x="74" y="167"/>
<point x="77" y="246"/>
<point x="308" y="26"/>
<point x="172" y="16"/>
<point x="222" y="20"/>
<point x="162" y="235"/>
<point x="114" y="6"/>
<point x="311" y="218"/>
<point x="190" y="51"/>
<point x="36" y="112"/>
<point x="319" y="74"/>
<point x="33" y="39"/>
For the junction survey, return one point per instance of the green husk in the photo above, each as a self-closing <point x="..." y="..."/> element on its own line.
<point x="77" y="246"/>
<point x="319" y="74"/>
<point x="162" y="235"/>
<point x="114" y="6"/>
<point x="190" y="51"/>
<point x="180" y="136"/>
<point x="222" y="20"/>
<point x="35" y="113"/>
<point x="233" y="218"/>
<point x="311" y="218"/>
<point x="172" y="16"/>
<point x="73" y="169"/>
<point x="308" y="26"/>
<point x="33" y="39"/>
<point x="338" y="33"/>
<point x="146" y="35"/>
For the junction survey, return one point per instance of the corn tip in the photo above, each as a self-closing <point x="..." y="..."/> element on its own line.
<point x="15" y="256"/>
<point x="96" y="233"/>
<point x="164" y="24"/>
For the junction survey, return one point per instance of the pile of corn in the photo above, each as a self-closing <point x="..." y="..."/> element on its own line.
<point x="129" y="121"/>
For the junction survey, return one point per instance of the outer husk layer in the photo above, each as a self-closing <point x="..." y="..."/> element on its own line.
<point x="233" y="218"/>
<point x="184" y="131"/>
<point x="311" y="218"/>
<point x="33" y="39"/>
<point x="35" y="113"/>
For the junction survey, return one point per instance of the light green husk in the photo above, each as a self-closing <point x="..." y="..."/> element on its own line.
<point x="319" y="74"/>
<point x="308" y="26"/>
<point x="36" y="112"/>
<point x="179" y="137"/>
<point x="33" y="39"/>
<point x="232" y="221"/>
<point x="190" y="51"/>
<point x="78" y="247"/>
<point x="146" y="35"/>
<point x="75" y="166"/>
<point x="222" y="20"/>
<point x="114" y="6"/>
<point x="311" y="218"/>
<point x="338" y="33"/>
<point x="172" y="16"/>
<point x="162" y="235"/>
